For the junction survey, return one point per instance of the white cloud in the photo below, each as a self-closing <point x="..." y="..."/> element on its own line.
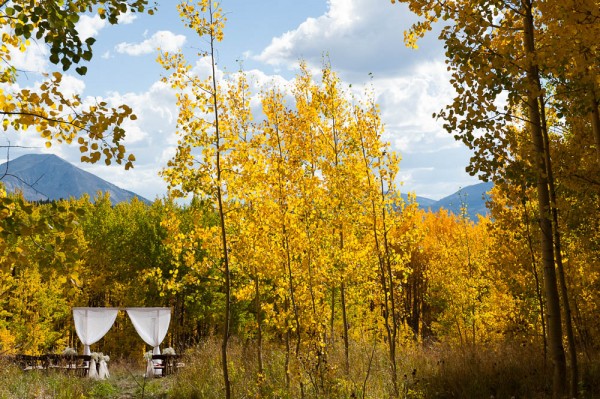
<point x="33" y="59"/>
<point x="165" y="40"/>
<point x="150" y="138"/>
<point x="71" y="85"/>
<point x="357" y="36"/>
<point x="127" y="18"/>
<point x="408" y="102"/>
<point x="90" y="26"/>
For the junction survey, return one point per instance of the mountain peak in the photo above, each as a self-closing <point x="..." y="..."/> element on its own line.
<point x="472" y="197"/>
<point x="49" y="177"/>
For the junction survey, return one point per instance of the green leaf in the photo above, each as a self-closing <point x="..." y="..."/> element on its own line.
<point x="66" y="63"/>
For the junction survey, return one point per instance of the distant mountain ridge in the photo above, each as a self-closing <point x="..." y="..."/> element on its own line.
<point x="48" y="177"/>
<point x="473" y="197"/>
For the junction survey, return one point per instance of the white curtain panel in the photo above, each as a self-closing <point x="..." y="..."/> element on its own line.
<point x="103" y="370"/>
<point x="151" y="324"/>
<point x="91" y="324"/>
<point x="93" y="371"/>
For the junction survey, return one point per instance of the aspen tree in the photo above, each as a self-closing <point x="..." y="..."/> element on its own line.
<point x="285" y="139"/>
<point x="512" y="212"/>
<point x="315" y="224"/>
<point x="337" y="175"/>
<point x="568" y="56"/>
<point x="379" y="168"/>
<point x="485" y="62"/>
<point x="206" y="154"/>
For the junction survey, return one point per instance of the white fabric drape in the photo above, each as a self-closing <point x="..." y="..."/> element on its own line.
<point x="152" y="325"/>
<point x="103" y="370"/>
<point x="91" y="324"/>
<point x="150" y="368"/>
<point x="93" y="371"/>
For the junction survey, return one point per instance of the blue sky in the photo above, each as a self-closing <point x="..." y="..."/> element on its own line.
<point x="360" y="37"/>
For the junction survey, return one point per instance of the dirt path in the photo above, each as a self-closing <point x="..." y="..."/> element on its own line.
<point x="131" y="384"/>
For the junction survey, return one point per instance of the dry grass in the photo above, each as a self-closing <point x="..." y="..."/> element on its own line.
<point x="435" y="372"/>
<point x="501" y="371"/>
<point x="126" y="381"/>
<point x="15" y="383"/>
<point x="506" y="371"/>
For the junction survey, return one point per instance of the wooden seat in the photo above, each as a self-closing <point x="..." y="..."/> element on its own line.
<point x="29" y="362"/>
<point x="75" y="364"/>
<point x="166" y="363"/>
<point x="54" y="362"/>
<point x="82" y="365"/>
<point x="71" y="364"/>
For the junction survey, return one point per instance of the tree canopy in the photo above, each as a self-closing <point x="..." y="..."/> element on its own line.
<point x="55" y="116"/>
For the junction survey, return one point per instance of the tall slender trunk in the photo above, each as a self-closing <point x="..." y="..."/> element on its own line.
<point x="292" y="291"/>
<point x="415" y="311"/>
<point x="386" y="318"/>
<point x="471" y="304"/>
<point x="537" y="280"/>
<point x="258" y="327"/>
<point x="288" y="258"/>
<point x="226" y="270"/>
<point x="311" y="288"/>
<point x="383" y="269"/>
<point x="389" y="271"/>
<point x="344" y="310"/>
<point x="332" y="319"/>
<point x="345" y="321"/>
<point x="287" y="359"/>
<point x="340" y="229"/>
<point x="572" y="349"/>
<point x="547" y="246"/>
<point x="567" y="317"/>
<point x="595" y="118"/>
<point x="582" y="329"/>
<point x="226" y="321"/>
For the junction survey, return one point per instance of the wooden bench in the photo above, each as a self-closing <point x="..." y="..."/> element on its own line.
<point x="29" y="362"/>
<point x="76" y="364"/>
<point x="168" y="364"/>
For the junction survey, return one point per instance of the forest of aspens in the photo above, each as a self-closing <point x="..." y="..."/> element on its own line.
<point x="293" y="266"/>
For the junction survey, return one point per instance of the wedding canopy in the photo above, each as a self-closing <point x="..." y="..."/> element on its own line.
<point x="151" y="324"/>
<point x="91" y="324"/>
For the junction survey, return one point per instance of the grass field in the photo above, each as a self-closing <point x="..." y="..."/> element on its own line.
<point x="435" y="372"/>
